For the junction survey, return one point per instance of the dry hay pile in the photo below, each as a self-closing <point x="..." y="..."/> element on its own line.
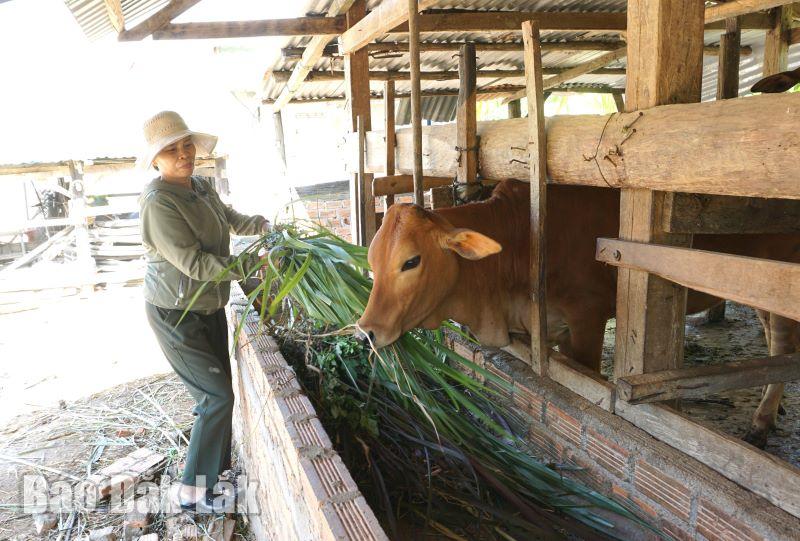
<point x="76" y="439"/>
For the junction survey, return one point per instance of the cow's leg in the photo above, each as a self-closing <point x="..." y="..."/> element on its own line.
<point x="586" y="340"/>
<point x="780" y="339"/>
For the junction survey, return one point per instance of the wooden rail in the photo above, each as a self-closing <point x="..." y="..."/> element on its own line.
<point x="400" y="184"/>
<point x="701" y="381"/>
<point x="761" y="283"/>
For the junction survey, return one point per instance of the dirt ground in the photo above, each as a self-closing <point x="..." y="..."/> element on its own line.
<point x="83" y="383"/>
<point x="740" y="336"/>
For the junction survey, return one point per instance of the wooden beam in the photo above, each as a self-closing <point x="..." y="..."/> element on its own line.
<point x="514" y="109"/>
<point x="157" y="20"/>
<point x="301" y="26"/>
<point x="466" y="117"/>
<point x="726" y="215"/>
<point x="700" y="381"/>
<point x="412" y="16"/>
<point x="577" y="71"/>
<point x="619" y="101"/>
<point x="365" y="185"/>
<point x="777" y="41"/>
<point x="311" y="54"/>
<point x="386" y="15"/>
<point x="735" y="8"/>
<point x="114" y="10"/>
<point x="510" y="21"/>
<point x="537" y="161"/>
<point x="356" y="67"/>
<point x="36" y="252"/>
<point x="760" y="283"/>
<point x="391" y="140"/>
<point x="757" y="471"/>
<point x="393" y="47"/>
<point x="665" y="65"/>
<point x="582" y="380"/>
<point x="280" y="140"/>
<point x="728" y="72"/>
<point x="400" y="184"/>
<point x="444" y="75"/>
<point x="715" y="148"/>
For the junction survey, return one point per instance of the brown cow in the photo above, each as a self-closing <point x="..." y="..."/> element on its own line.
<point x="471" y="264"/>
<point x="780" y="82"/>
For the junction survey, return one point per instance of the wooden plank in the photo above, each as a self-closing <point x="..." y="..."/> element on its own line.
<point x="301" y="26"/>
<point x="514" y="109"/>
<point x="401" y="184"/>
<point x="581" y="380"/>
<point x="157" y="20"/>
<point x="365" y="186"/>
<point x="702" y="381"/>
<point x="665" y="65"/>
<point x="466" y="116"/>
<point x="577" y="71"/>
<point x="760" y="283"/>
<point x="764" y="474"/>
<point x="356" y="67"/>
<point x="484" y="91"/>
<point x="721" y="214"/>
<point x="728" y="72"/>
<point x="537" y="161"/>
<point x="36" y="252"/>
<point x="735" y="8"/>
<point x="386" y="15"/>
<point x="331" y="51"/>
<point x="114" y="10"/>
<point x="412" y="16"/>
<point x="442" y="75"/>
<point x="311" y="54"/>
<point x="280" y="140"/>
<point x="391" y="140"/>
<point x="777" y="41"/>
<point x="619" y="101"/>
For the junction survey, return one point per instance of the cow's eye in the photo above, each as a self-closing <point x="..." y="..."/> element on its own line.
<point x="410" y="264"/>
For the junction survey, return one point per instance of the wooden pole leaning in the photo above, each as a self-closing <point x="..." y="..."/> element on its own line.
<point x="391" y="137"/>
<point x="416" y="98"/>
<point x="466" y="120"/>
<point x="537" y="152"/>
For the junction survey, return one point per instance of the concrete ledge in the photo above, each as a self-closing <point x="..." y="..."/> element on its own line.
<point x="305" y="492"/>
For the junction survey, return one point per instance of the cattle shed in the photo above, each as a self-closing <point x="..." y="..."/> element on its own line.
<point x="689" y="152"/>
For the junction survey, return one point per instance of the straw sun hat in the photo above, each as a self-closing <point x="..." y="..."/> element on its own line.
<point x="163" y="129"/>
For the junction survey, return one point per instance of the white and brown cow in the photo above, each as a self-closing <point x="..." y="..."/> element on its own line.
<point x="471" y="264"/>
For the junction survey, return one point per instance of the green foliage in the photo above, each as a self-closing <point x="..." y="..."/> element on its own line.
<point x="435" y="440"/>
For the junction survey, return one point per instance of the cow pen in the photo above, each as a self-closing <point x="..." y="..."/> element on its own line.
<point x="682" y="166"/>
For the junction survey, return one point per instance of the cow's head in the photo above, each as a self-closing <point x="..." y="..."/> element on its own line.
<point x="415" y="262"/>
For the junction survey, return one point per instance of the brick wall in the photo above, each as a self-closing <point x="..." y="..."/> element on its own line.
<point x="335" y="213"/>
<point x="683" y="497"/>
<point x="305" y="491"/>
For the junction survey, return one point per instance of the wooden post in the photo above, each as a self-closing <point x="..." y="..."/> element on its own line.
<point x="280" y="140"/>
<point x="77" y="207"/>
<point x="367" y="197"/>
<point x="391" y="137"/>
<point x="515" y="109"/>
<point x="416" y="98"/>
<point x="777" y="40"/>
<point x="356" y="68"/>
<point x="728" y="78"/>
<point x="619" y="101"/>
<point x="537" y="152"/>
<point x="665" y="65"/>
<point x="466" y="120"/>
<point x="221" y="177"/>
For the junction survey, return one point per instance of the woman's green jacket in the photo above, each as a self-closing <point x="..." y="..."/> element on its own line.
<point x="186" y="236"/>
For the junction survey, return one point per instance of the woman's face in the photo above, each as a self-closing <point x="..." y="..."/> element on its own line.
<point x="176" y="161"/>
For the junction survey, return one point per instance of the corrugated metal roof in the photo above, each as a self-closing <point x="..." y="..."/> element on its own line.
<point x="93" y="19"/>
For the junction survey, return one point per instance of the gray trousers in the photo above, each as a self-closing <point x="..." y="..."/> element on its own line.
<point x="197" y="349"/>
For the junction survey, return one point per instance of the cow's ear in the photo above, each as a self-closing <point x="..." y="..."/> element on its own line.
<point x="780" y="82"/>
<point x="470" y="244"/>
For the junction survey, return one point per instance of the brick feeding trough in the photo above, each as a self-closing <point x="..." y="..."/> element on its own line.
<point x="306" y="492"/>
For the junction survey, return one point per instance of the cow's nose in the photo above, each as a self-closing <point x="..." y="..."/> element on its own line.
<point x="365" y="336"/>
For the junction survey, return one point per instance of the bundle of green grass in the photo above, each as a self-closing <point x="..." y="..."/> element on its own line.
<point x="427" y="444"/>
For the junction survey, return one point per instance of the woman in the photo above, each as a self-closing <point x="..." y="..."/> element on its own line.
<point x="185" y="231"/>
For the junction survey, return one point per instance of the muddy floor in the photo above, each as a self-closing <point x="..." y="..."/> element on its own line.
<point x="740" y="336"/>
